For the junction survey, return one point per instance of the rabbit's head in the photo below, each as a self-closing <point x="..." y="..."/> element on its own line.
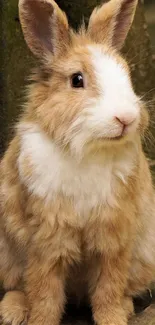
<point x="83" y="97"/>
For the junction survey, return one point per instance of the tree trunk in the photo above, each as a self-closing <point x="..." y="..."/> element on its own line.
<point x="16" y="61"/>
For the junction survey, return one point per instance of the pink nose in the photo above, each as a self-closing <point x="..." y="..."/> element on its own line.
<point x="125" y="121"/>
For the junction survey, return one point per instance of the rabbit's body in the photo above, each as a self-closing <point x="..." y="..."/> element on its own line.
<point x="77" y="201"/>
<point x="101" y="212"/>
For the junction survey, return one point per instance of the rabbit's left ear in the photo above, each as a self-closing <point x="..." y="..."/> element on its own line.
<point x="45" y="26"/>
<point x="111" y="22"/>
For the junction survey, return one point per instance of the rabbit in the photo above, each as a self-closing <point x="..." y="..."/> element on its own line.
<point x="76" y="194"/>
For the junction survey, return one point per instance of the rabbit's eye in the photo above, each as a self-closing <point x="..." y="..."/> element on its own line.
<point x="77" y="80"/>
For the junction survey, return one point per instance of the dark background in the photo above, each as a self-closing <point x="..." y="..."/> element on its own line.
<point x="150" y="18"/>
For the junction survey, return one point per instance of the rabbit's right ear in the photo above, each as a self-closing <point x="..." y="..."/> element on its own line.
<point x="45" y="26"/>
<point x="111" y="22"/>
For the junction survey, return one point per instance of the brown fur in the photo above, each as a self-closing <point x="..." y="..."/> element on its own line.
<point x="44" y="252"/>
<point x="114" y="22"/>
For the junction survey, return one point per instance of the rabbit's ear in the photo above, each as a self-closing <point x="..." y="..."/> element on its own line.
<point x="111" y="22"/>
<point x="45" y="26"/>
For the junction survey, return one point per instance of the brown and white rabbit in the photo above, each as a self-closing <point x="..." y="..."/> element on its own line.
<point x="77" y="202"/>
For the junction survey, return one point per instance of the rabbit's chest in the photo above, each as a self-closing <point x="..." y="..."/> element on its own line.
<point x="86" y="186"/>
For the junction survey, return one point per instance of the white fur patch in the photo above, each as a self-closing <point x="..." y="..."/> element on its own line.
<point x="117" y="96"/>
<point x="110" y="74"/>
<point x="89" y="184"/>
<point x="116" y="100"/>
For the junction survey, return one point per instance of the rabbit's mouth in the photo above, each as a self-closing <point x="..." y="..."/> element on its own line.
<point x="126" y="133"/>
<point x="102" y="142"/>
<point x="121" y="136"/>
<point x="114" y="140"/>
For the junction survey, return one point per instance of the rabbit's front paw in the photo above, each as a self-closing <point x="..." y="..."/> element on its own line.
<point x="14" y="309"/>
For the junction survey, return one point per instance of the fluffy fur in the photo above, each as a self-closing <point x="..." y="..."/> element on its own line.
<point x="76" y="195"/>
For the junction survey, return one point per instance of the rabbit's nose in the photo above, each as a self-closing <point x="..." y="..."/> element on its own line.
<point x="125" y="121"/>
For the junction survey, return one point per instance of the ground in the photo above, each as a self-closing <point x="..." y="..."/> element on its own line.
<point x="147" y="317"/>
<point x="144" y="316"/>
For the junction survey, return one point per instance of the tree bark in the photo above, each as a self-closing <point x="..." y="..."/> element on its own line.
<point x="16" y="61"/>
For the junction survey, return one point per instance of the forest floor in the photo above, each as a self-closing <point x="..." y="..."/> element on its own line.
<point x="82" y="316"/>
<point x="144" y="308"/>
<point x="147" y="317"/>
